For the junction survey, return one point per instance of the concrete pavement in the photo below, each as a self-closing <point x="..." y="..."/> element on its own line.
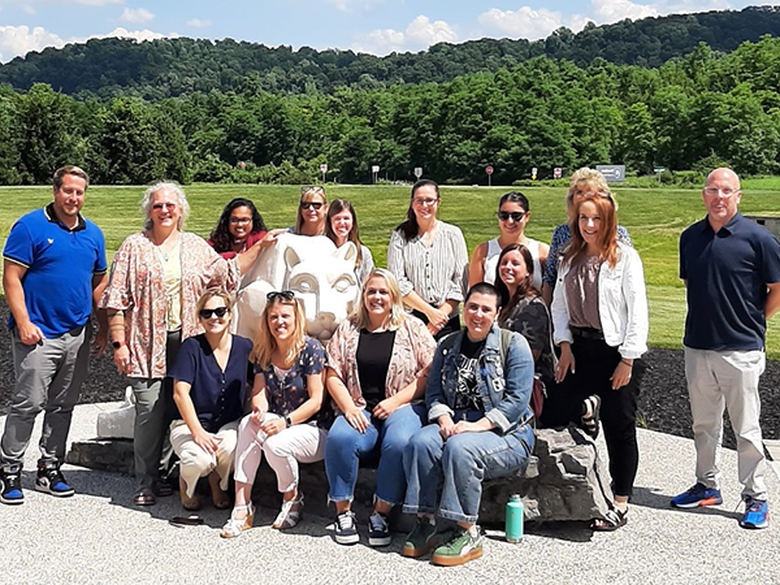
<point x="98" y="536"/>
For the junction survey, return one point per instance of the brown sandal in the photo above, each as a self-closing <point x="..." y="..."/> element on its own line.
<point x="191" y="504"/>
<point x="144" y="498"/>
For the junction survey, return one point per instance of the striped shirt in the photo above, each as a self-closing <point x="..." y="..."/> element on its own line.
<point x="438" y="272"/>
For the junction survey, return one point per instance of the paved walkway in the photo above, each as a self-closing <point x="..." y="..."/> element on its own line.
<point x="98" y="536"/>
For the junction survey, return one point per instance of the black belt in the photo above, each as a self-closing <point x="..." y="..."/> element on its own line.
<point x="587" y="332"/>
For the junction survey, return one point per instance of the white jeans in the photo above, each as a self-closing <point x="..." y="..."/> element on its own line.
<point x="196" y="462"/>
<point x="718" y="379"/>
<point x="302" y="443"/>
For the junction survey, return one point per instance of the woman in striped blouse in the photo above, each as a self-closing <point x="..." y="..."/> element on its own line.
<point x="429" y="259"/>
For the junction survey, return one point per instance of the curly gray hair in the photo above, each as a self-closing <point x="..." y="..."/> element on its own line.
<point x="181" y="201"/>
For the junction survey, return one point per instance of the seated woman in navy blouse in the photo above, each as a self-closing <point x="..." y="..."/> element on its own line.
<point x="286" y="398"/>
<point x="210" y="378"/>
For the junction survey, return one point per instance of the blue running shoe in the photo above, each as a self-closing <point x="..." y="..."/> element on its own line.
<point x="756" y="514"/>
<point x="11" y="483"/>
<point x="698" y="495"/>
<point x="51" y="481"/>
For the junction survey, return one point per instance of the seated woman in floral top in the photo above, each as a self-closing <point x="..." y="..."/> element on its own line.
<point x="377" y="364"/>
<point x="286" y="398"/>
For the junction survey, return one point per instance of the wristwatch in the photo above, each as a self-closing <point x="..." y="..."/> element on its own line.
<point x="288" y="420"/>
<point x="118" y="344"/>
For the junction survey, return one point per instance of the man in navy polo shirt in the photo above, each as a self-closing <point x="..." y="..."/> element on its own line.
<point x="54" y="269"/>
<point x="731" y="269"/>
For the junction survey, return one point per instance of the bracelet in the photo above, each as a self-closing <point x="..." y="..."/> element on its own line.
<point x="288" y="421"/>
<point x="629" y="364"/>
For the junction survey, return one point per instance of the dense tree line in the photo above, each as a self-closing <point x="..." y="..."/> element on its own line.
<point x="107" y="68"/>
<point x="689" y="114"/>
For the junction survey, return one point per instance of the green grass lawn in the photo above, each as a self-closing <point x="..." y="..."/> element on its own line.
<point x="654" y="218"/>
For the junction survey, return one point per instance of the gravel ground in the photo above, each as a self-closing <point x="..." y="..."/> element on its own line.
<point x="663" y="400"/>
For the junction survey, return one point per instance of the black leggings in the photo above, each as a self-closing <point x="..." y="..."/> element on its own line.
<point x="595" y="362"/>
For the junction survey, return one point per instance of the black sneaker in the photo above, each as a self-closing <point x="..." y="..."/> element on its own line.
<point x="51" y="481"/>
<point x="11" y="481"/>
<point x="378" y="530"/>
<point x="346" y="528"/>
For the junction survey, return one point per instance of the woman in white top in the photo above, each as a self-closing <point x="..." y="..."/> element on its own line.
<point x="513" y="216"/>
<point x="429" y="259"/>
<point x="341" y="226"/>
<point x="600" y="321"/>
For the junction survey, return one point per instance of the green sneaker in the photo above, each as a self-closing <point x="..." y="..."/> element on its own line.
<point x="421" y="540"/>
<point x="459" y="549"/>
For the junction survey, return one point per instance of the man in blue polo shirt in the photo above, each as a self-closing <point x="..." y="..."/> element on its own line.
<point x="54" y="269"/>
<point x="731" y="269"/>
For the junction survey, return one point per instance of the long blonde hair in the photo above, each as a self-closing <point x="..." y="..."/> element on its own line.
<point x="265" y="343"/>
<point x="360" y="318"/>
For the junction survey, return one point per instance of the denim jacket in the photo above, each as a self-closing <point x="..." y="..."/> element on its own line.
<point x="505" y="388"/>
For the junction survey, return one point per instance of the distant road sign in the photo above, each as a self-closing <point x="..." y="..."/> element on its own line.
<point x="489" y="170"/>
<point x="613" y="173"/>
<point x="418" y="172"/>
<point x="557" y="172"/>
<point x="375" y="169"/>
<point x="323" y="168"/>
<point x="659" y="169"/>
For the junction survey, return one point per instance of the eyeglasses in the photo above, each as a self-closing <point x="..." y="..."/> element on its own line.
<point x="285" y="295"/>
<point x="219" y="312"/>
<point x="315" y="204"/>
<point x="515" y="215"/>
<point x="425" y="202"/>
<point x="715" y="191"/>
<point x="236" y="220"/>
<point x="159" y="206"/>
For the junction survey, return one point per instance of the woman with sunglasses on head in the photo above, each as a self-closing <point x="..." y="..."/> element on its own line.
<point x="584" y="183"/>
<point x="209" y="389"/>
<point x="378" y="363"/>
<point x="600" y="321"/>
<point x="430" y="260"/>
<point x="513" y="216"/>
<point x="342" y="227"/>
<point x="157" y="277"/>
<point x="312" y="212"/>
<point x="240" y="227"/>
<point x="285" y="400"/>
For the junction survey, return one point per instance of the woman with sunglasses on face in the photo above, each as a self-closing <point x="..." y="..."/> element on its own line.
<point x="312" y="212"/>
<point x="240" y="227"/>
<point x="377" y="364"/>
<point x="342" y="227"/>
<point x="584" y="183"/>
<point x="285" y="400"/>
<point x="513" y="216"/>
<point x="430" y="260"/>
<point x="209" y="389"/>
<point x="157" y="277"/>
<point x="600" y="321"/>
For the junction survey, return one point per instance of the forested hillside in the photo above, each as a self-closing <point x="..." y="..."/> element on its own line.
<point x="173" y="67"/>
<point x="690" y="113"/>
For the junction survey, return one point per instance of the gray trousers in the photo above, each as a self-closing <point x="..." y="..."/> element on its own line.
<point x="153" y="413"/>
<point x="49" y="375"/>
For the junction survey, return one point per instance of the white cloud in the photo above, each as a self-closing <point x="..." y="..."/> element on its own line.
<point x="97" y="2"/>
<point x="20" y="40"/>
<point x="27" y="8"/>
<point x="136" y="15"/>
<point x="420" y="34"/>
<point x="347" y="5"/>
<point x="137" y="35"/>
<point x="608" y="11"/>
<point x="525" y="22"/>
<point x="198" y="23"/>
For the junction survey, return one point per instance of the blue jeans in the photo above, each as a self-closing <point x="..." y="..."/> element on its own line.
<point x="383" y="439"/>
<point x="458" y="467"/>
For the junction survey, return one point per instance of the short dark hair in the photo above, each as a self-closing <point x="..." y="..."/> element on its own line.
<point x="69" y="170"/>
<point x="484" y="288"/>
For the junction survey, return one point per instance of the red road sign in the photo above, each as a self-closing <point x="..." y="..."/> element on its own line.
<point x="489" y="170"/>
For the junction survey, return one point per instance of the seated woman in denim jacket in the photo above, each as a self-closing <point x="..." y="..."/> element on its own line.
<point x="378" y="363"/>
<point x="478" y="397"/>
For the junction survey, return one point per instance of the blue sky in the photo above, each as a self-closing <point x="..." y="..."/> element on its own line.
<point x="374" y="26"/>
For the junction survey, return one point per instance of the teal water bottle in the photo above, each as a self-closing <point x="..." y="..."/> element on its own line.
<point x="514" y="519"/>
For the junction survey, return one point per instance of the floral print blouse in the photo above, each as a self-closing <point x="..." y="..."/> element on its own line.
<point x="137" y="287"/>
<point x="288" y="393"/>
<point x="412" y="355"/>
